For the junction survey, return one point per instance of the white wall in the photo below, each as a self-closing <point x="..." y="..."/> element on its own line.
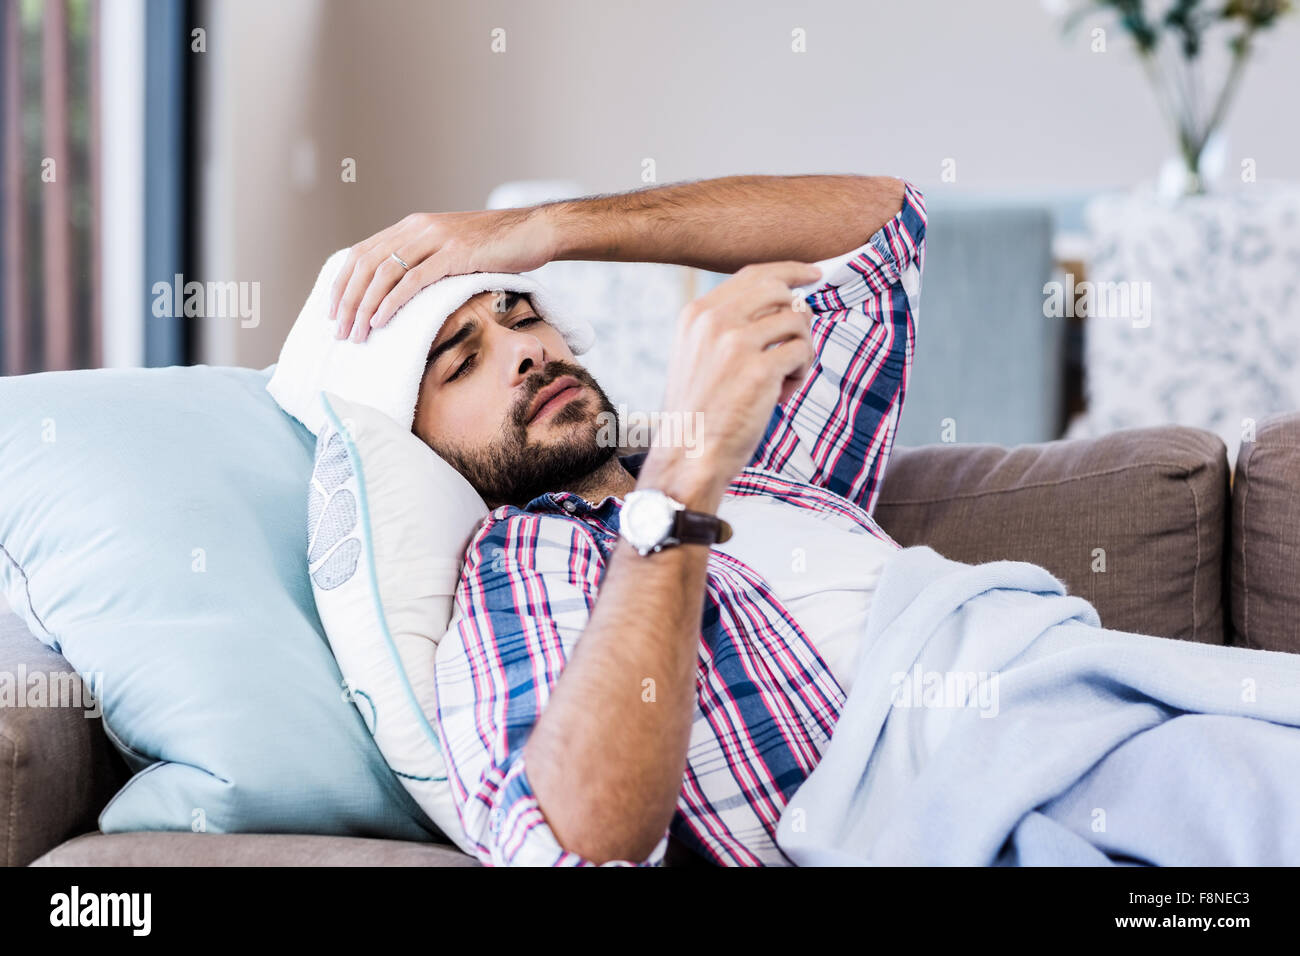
<point x="588" y="89"/>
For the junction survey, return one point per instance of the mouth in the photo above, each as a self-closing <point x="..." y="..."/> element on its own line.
<point x="553" y="397"/>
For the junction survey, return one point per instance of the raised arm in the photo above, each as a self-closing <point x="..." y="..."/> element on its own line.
<point x="724" y="224"/>
<point x="838" y="429"/>
<point x="715" y="224"/>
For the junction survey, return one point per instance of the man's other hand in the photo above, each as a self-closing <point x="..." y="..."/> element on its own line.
<point x="740" y="350"/>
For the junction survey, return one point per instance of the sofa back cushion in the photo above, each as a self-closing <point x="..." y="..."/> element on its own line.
<point x="1133" y="521"/>
<point x="1264" y="558"/>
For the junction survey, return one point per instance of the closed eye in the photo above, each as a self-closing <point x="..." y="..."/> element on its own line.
<point x="464" y="367"/>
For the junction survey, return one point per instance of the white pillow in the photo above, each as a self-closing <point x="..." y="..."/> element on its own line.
<point x="388" y="524"/>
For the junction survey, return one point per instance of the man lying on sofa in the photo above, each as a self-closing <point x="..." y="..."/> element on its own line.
<point x="657" y="648"/>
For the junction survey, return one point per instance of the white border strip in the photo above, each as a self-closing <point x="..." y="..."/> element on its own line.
<point x="121" y="79"/>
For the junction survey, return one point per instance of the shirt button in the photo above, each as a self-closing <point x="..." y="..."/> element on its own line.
<point x="570" y="505"/>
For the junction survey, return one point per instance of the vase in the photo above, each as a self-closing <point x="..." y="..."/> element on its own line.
<point x="1185" y="175"/>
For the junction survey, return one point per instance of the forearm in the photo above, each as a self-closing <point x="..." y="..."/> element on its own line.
<point x="724" y="224"/>
<point x="606" y="758"/>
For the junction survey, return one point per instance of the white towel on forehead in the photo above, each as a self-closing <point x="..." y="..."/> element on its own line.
<point x="385" y="371"/>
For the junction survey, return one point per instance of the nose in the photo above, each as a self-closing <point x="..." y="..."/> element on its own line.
<point x="526" y="355"/>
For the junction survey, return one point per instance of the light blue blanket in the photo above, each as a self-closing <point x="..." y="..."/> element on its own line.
<point x="993" y="721"/>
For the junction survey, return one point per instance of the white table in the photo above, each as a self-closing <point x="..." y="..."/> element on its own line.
<point x="1219" y="346"/>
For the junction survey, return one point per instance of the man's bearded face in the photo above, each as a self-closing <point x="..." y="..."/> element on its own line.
<point x="505" y="403"/>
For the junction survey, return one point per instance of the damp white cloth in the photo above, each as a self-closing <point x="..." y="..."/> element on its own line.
<point x="385" y="371"/>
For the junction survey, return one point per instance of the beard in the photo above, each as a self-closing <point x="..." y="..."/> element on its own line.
<point x="513" y="470"/>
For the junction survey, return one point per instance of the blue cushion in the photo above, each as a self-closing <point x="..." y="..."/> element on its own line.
<point x="153" y="528"/>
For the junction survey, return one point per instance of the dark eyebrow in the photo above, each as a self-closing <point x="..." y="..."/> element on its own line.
<point x="467" y="329"/>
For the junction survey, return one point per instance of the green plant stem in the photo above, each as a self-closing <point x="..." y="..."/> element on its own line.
<point x="1239" y="57"/>
<point x="1174" y="99"/>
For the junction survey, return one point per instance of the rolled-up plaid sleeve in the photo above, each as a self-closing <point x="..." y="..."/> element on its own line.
<point x="838" y="429"/>
<point x="525" y="596"/>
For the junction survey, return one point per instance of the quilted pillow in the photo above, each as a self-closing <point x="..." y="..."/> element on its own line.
<point x="389" y="522"/>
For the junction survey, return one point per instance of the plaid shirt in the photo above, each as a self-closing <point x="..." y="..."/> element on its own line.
<point x="766" y="701"/>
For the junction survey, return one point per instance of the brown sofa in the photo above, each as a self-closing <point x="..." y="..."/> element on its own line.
<point x="1147" y="524"/>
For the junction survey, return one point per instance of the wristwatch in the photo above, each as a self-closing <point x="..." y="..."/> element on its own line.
<point x="651" y="521"/>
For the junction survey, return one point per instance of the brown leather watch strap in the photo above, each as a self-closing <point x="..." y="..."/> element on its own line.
<point x="696" y="527"/>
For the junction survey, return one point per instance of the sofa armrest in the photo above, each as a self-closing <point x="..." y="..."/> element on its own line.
<point x="1134" y="521"/>
<point x="57" y="766"/>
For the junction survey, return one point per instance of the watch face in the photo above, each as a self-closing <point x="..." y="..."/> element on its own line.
<point x="646" y="518"/>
